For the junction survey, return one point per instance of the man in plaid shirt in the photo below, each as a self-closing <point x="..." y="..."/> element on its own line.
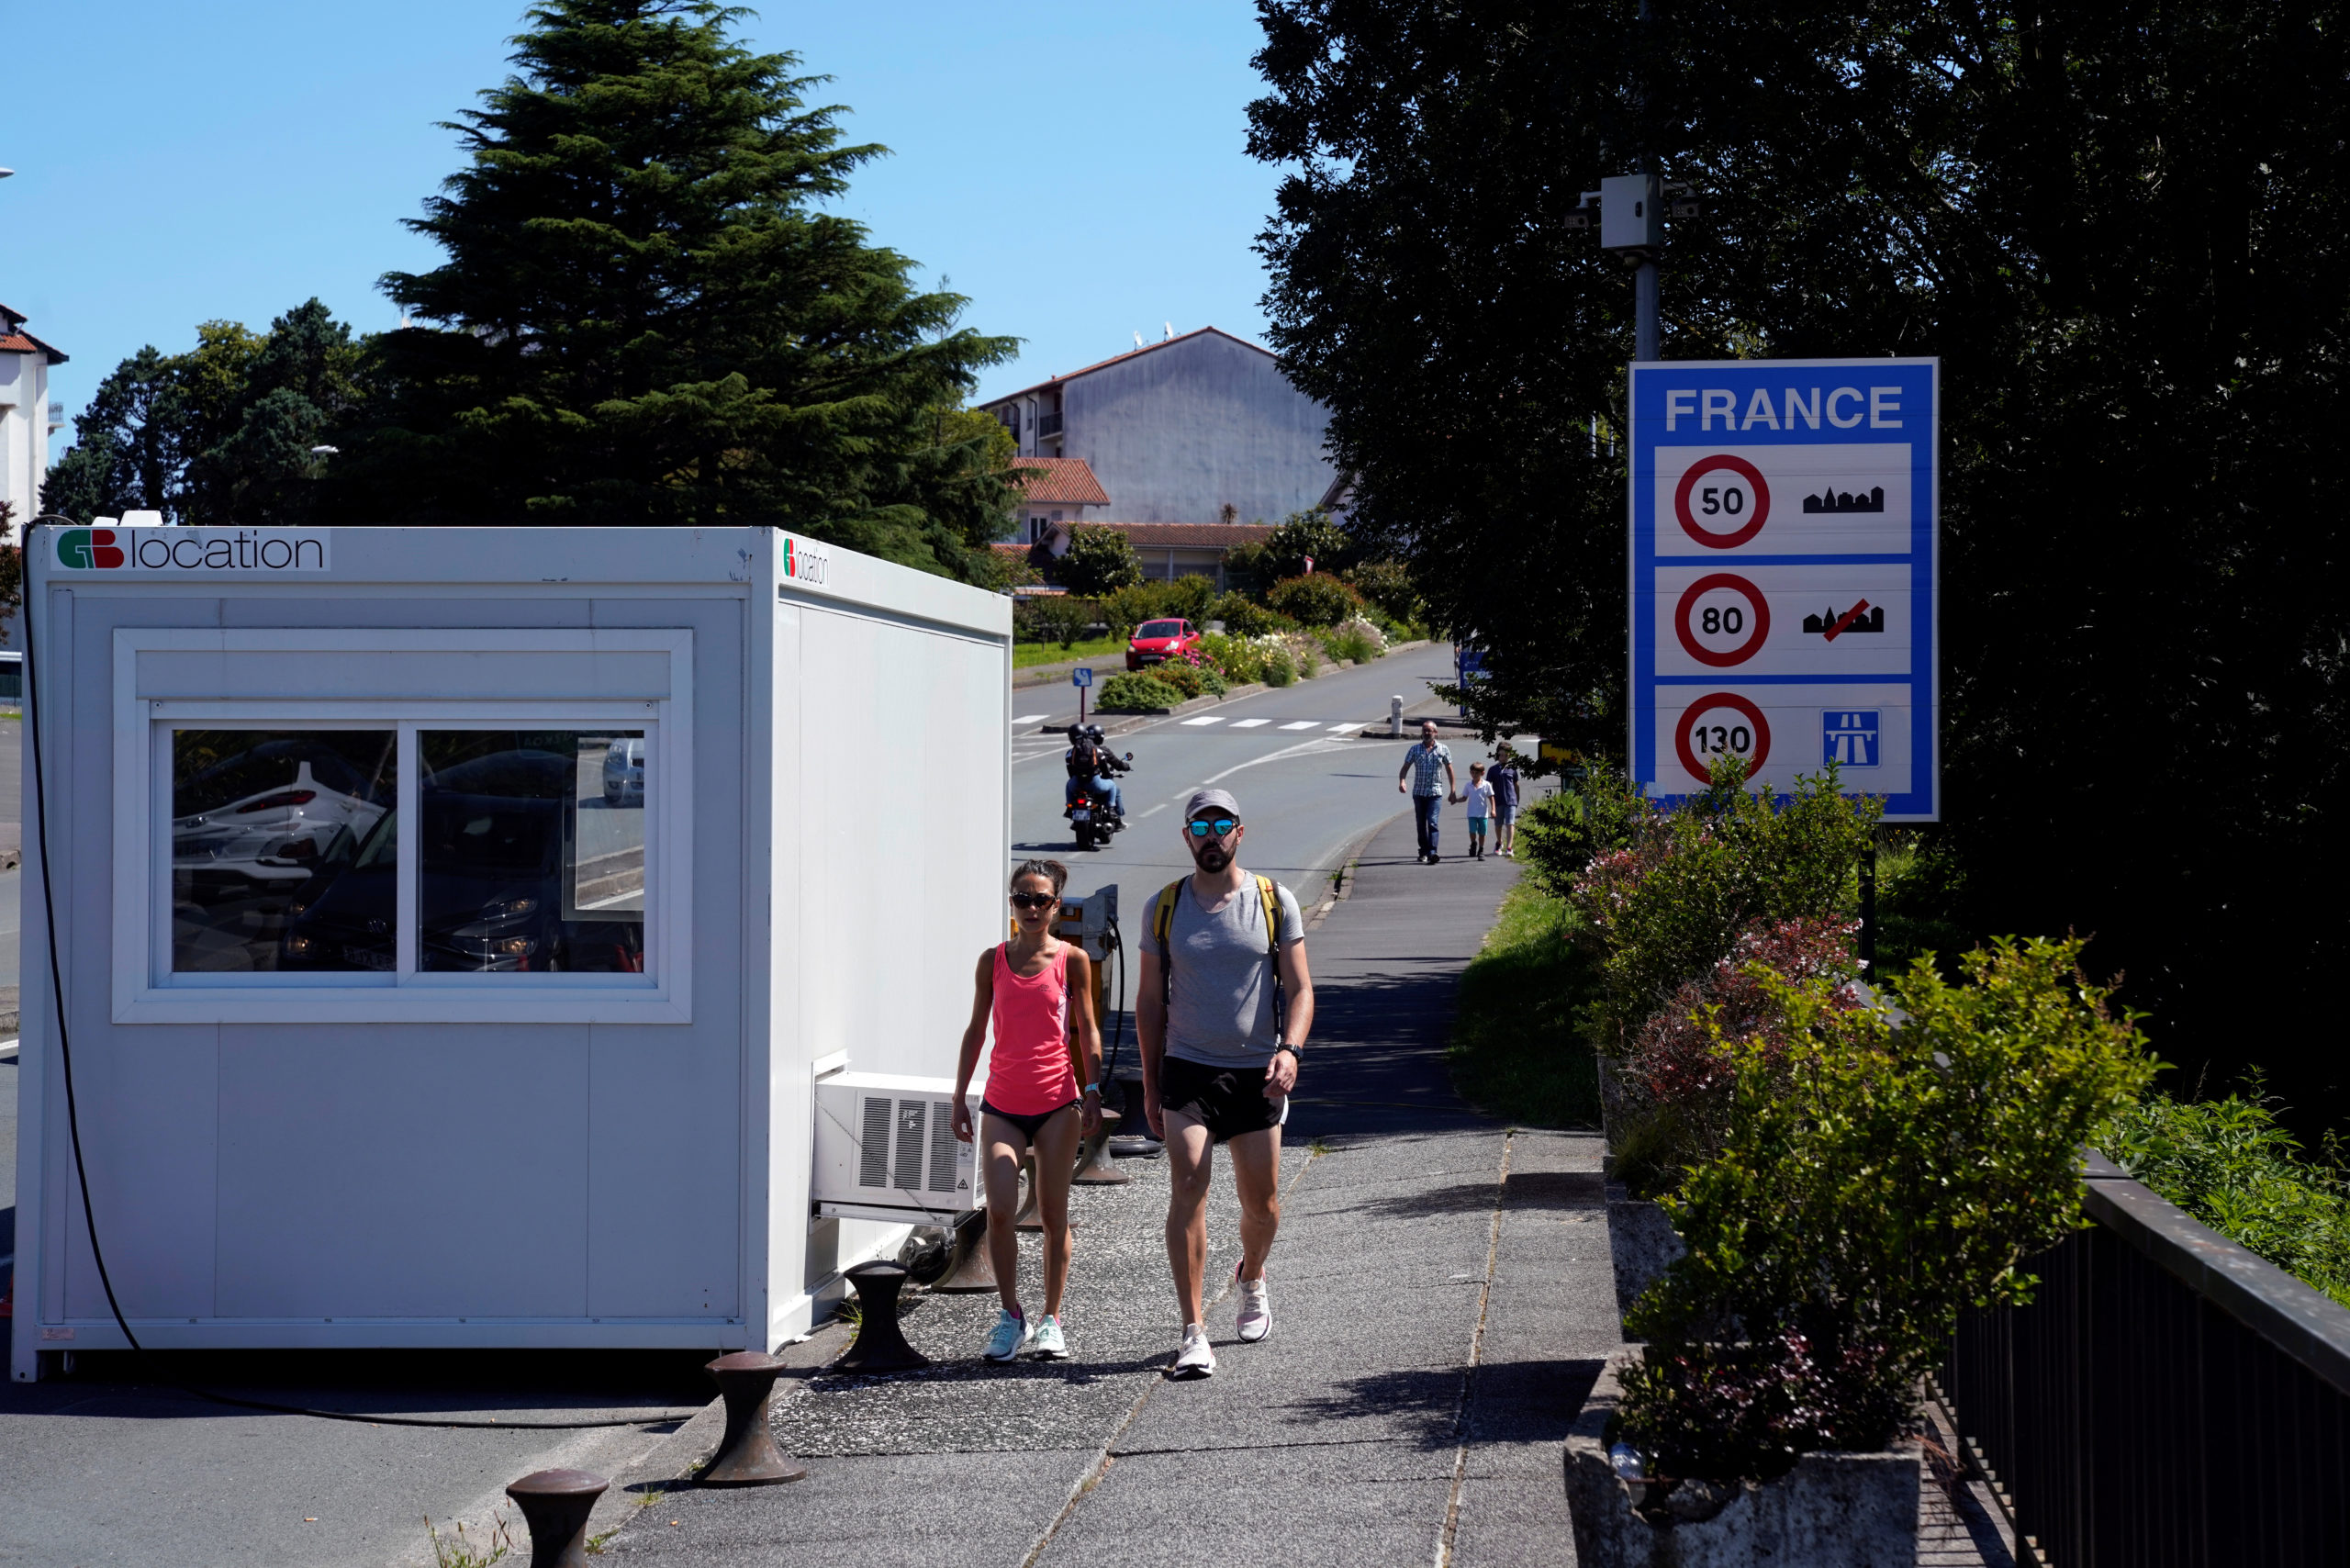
<point x="1421" y="765"/>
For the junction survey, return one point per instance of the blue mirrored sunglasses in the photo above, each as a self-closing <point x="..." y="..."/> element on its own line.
<point x="1203" y="826"/>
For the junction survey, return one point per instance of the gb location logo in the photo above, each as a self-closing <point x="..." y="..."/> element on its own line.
<point x="89" y="549"/>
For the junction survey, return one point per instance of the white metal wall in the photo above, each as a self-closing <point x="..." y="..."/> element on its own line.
<point x="891" y="829"/>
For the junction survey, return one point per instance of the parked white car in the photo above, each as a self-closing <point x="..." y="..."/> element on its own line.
<point x="625" y="771"/>
<point x="273" y="836"/>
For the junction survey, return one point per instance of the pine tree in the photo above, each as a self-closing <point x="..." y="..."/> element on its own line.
<point x="645" y="319"/>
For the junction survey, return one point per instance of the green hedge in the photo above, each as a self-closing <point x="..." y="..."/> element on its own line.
<point x="1133" y="692"/>
<point x="2229" y="1164"/>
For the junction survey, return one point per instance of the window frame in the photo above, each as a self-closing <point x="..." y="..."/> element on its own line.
<point x="148" y="991"/>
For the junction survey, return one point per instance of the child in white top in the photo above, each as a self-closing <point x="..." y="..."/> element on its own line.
<point x="1480" y="796"/>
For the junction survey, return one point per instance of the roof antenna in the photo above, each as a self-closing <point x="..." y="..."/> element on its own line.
<point x="1138" y="340"/>
<point x="1170" y="333"/>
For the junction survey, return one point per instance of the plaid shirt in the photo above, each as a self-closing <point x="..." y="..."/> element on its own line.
<point x="1428" y="762"/>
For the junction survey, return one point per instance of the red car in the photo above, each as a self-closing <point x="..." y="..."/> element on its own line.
<point x="1155" y="641"/>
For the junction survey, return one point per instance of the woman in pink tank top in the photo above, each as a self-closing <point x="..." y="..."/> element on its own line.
<point x="1043" y="1093"/>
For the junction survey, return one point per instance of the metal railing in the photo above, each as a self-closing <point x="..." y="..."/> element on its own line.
<point x="2167" y="1399"/>
<point x="1049" y="424"/>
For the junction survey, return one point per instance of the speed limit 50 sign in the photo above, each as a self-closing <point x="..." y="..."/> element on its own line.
<point x="1782" y="574"/>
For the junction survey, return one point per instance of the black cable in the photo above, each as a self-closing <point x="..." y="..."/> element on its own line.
<point x="82" y="1173"/>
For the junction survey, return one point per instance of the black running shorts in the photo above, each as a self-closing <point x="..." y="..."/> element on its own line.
<point x="1228" y="1101"/>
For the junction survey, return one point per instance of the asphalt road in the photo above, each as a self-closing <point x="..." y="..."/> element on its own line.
<point x="115" y="1466"/>
<point x="1307" y="791"/>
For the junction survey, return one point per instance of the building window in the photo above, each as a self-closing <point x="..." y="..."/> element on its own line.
<point x="530" y="856"/>
<point x="375" y="859"/>
<point x="262" y="821"/>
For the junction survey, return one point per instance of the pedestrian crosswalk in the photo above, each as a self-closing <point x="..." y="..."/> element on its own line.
<point x="1210" y="721"/>
<point x="1206" y="719"/>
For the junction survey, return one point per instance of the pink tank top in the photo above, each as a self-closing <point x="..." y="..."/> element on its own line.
<point x="1031" y="1072"/>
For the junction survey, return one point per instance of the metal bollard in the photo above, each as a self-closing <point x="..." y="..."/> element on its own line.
<point x="880" y="1345"/>
<point x="1395" y="717"/>
<point x="555" y="1504"/>
<point x="1093" y="1165"/>
<point x="1137" y="1144"/>
<point x="748" y="1454"/>
<point x="974" y="1270"/>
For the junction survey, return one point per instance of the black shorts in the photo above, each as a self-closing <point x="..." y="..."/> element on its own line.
<point x="1227" y="1100"/>
<point x="1028" y="1125"/>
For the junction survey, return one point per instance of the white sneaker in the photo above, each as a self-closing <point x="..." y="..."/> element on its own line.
<point x="1255" y="1311"/>
<point x="1011" y="1332"/>
<point x="1196" y="1359"/>
<point x="1046" y="1343"/>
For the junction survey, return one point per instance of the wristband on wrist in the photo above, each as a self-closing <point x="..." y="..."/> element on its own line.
<point x="1091" y="1089"/>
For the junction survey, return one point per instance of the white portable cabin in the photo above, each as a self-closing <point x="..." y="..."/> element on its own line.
<point x="388" y="1025"/>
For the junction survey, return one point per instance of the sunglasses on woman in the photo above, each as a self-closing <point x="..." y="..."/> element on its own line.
<point x="1203" y="826"/>
<point x="1035" y="900"/>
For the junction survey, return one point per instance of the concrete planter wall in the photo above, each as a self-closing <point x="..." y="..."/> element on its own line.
<point x="1833" y="1510"/>
<point x="1641" y="1243"/>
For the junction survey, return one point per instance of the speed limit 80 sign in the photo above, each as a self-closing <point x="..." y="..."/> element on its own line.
<point x="1782" y="574"/>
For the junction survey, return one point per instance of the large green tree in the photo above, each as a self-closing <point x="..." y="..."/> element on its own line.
<point x="646" y="316"/>
<point x="221" y="435"/>
<point x="2121" y="225"/>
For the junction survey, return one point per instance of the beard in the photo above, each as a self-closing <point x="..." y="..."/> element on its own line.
<point x="1212" y="856"/>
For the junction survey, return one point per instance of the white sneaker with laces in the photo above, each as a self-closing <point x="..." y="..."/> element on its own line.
<point x="1009" y="1333"/>
<point x="1255" y="1311"/>
<point x="1197" y="1358"/>
<point x="1046" y="1343"/>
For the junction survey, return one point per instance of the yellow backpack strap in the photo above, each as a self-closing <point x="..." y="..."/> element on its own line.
<point x="1266" y="890"/>
<point x="1162" y="930"/>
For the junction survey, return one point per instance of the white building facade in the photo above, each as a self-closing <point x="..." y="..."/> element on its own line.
<point x="1199" y="429"/>
<point x="28" y="419"/>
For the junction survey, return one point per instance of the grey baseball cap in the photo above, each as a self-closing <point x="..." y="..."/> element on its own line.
<point x="1210" y="801"/>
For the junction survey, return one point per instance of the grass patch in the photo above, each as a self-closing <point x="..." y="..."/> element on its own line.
<point x="1517" y="1053"/>
<point x="1027" y="653"/>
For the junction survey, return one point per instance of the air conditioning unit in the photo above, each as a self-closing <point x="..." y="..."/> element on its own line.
<point x="885" y="1149"/>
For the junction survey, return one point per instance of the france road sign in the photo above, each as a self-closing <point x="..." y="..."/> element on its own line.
<point x="1081" y="677"/>
<point x="1784" y="540"/>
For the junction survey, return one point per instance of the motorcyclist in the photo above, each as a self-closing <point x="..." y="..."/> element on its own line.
<point x="1092" y="765"/>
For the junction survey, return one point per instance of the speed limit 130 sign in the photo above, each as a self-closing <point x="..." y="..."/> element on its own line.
<point x="1783" y="575"/>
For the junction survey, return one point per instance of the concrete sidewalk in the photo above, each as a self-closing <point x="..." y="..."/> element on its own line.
<point x="1442" y="1301"/>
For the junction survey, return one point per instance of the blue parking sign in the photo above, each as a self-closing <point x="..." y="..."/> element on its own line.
<point x="1847" y="737"/>
<point x="1081" y="677"/>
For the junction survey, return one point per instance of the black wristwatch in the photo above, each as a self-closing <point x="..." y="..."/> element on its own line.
<point x="1292" y="1050"/>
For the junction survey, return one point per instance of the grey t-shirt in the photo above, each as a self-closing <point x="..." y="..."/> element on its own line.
<point x="1220" y="992"/>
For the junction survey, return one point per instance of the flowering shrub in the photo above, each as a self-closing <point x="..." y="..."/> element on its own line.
<point x="1355" y="638"/>
<point x="1560" y="834"/>
<point x="1871" y="1180"/>
<point x="1673" y="903"/>
<point x="1674" y="1074"/>
<point x="1192" y="672"/>
<point x="1723" y="1410"/>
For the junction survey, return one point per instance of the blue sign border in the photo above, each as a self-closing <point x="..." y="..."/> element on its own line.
<point x="1921" y="381"/>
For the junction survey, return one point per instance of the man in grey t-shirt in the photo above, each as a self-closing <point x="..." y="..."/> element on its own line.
<point x="1223" y="1007"/>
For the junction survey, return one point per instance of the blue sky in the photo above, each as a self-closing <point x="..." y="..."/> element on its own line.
<point x="1078" y="170"/>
